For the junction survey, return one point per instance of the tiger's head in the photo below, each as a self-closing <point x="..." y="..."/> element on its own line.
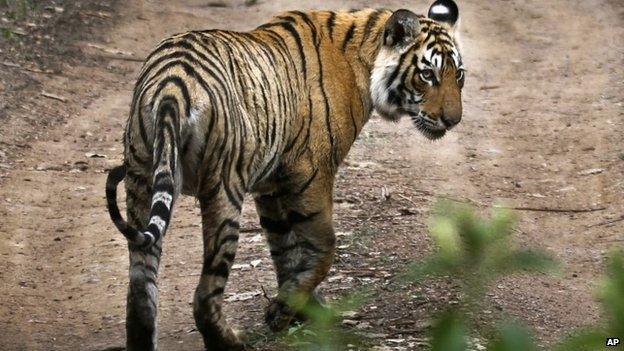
<point x="418" y="71"/>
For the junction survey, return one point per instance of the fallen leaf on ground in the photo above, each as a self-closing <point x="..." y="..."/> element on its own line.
<point x="48" y="167"/>
<point x="591" y="171"/>
<point x="243" y="296"/>
<point x="94" y="155"/>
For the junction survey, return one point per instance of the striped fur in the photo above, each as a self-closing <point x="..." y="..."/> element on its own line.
<point x="271" y="112"/>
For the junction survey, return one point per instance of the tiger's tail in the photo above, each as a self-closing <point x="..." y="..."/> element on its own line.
<point x="164" y="185"/>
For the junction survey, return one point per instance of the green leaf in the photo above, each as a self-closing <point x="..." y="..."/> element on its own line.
<point x="585" y="340"/>
<point x="525" y="260"/>
<point x="7" y="33"/>
<point x="612" y="292"/>
<point x="502" y="223"/>
<point x="444" y="231"/>
<point x="513" y="338"/>
<point x="449" y="334"/>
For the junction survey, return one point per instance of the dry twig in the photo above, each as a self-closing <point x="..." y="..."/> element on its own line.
<point x="550" y="209"/>
<point x="122" y="58"/>
<point x="114" y="348"/>
<point x="264" y="294"/>
<point x="531" y="208"/>
<point x="26" y="69"/>
<point x="53" y="96"/>
<point x="407" y="199"/>
<point x="611" y="221"/>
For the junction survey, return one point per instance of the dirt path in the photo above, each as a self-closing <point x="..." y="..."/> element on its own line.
<point x="543" y="105"/>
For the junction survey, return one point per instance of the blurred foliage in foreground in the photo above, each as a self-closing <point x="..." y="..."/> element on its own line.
<point x="323" y="331"/>
<point x="12" y="10"/>
<point x="473" y="252"/>
<point x="16" y="9"/>
<point x="611" y="295"/>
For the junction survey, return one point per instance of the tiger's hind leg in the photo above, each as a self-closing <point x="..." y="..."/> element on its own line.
<point x="220" y="222"/>
<point x="142" y="296"/>
<point x="302" y="244"/>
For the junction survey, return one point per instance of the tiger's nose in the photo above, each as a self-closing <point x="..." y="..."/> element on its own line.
<point x="451" y="120"/>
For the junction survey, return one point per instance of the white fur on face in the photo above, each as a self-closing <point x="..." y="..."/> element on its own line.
<point x="386" y="62"/>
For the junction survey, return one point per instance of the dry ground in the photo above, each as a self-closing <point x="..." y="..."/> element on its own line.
<point x="543" y="105"/>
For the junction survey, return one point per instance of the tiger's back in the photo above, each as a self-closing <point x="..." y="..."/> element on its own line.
<point x="233" y="105"/>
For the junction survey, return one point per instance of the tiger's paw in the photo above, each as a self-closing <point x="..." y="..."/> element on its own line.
<point x="316" y="304"/>
<point x="224" y="339"/>
<point x="278" y="315"/>
<point x="227" y="345"/>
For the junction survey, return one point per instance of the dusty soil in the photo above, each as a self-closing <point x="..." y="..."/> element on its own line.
<point x="543" y="128"/>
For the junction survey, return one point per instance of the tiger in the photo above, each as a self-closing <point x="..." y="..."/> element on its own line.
<point x="271" y="112"/>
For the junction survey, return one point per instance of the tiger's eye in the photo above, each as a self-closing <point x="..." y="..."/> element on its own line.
<point x="427" y="74"/>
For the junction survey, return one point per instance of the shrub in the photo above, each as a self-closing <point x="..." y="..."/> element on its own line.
<point x="472" y="252"/>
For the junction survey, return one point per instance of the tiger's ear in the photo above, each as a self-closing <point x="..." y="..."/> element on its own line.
<point x="445" y="11"/>
<point x="401" y="28"/>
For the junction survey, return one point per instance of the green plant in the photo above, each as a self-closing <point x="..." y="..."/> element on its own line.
<point x="449" y="333"/>
<point x="7" y="33"/>
<point x="611" y="296"/>
<point x="472" y="252"/>
<point x="17" y="9"/>
<point x="322" y="330"/>
<point x="612" y="293"/>
<point x="512" y="337"/>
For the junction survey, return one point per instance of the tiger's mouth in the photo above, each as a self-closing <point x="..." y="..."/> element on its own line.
<point x="431" y="134"/>
<point x="431" y="130"/>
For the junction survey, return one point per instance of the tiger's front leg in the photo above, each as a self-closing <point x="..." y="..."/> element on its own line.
<point x="220" y="222"/>
<point x="302" y="243"/>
